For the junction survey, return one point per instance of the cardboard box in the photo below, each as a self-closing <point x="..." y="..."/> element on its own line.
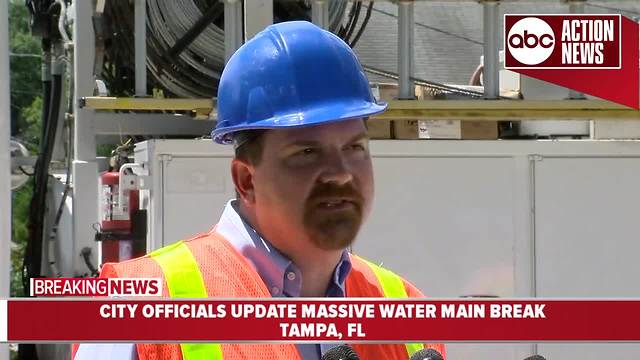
<point x="479" y="130"/>
<point x="379" y="128"/>
<point x="406" y="129"/>
<point x="445" y="129"/>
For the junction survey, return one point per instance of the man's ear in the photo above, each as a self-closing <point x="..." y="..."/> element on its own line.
<point x="242" y="174"/>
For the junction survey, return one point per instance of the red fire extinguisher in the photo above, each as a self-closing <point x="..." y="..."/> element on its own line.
<point x="117" y="220"/>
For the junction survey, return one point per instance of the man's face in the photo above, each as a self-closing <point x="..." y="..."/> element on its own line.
<point x="314" y="183"/>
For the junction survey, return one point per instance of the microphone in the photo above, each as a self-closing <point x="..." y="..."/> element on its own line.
<point x="535" y="357"/>
<point x="341" y="352"/>
<point x="431" y="354"/>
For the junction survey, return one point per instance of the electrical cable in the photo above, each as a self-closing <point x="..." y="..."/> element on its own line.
<point x="86" y="256"/>
<point x="192" y="32"/>
<point x="363" y="26"/>
<point x="22" y="170"/>
<point x="33" y="251"/>
<point x="355" y="20"/>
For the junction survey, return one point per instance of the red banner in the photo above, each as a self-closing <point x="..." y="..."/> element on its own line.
<point x="597" y="54"/>
<point x="322" y="320"/>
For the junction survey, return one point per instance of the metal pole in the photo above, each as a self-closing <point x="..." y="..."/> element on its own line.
<point x="85" y="167"/>
<point x="576" y="7"/>
<point x="5" y="164"/>
<point x="405" y="50"/>
<point x="491" y="27"/>
<point x="320" y="13"/>
<point x="140" y="43"/>
<point x="232" y="27"/>
<point x="258" y="14"/>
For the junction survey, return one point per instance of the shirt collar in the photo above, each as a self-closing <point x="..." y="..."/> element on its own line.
<point x="278" y="272"/>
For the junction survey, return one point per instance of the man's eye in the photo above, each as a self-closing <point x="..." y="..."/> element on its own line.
<point x="358" y="147"/>
<point x="307" y="151"/>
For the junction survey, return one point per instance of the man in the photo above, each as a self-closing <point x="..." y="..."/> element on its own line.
<point x="293" y="101"/>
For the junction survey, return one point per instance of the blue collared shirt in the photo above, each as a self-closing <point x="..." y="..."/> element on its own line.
<point x="281" y="276"/>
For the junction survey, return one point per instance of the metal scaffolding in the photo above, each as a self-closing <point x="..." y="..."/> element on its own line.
<point x="405" y="50"/>
<point x="140" y="38"/>
<point x="258" y="14"/>
<point x="233" y="37"/>
<point x="320" y="13"/>
<point x="491" y="21"/>
<point x="85" y="167"/>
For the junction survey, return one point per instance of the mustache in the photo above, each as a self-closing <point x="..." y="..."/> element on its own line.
<point x="332" y="190"/>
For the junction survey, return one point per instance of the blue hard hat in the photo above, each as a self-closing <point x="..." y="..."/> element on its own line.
<point x="291" y="74"/>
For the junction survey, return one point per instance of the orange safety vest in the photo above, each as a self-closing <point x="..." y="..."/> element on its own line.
<point x="226" y="273"/>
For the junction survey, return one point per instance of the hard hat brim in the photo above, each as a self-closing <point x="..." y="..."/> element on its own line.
<point x="310" y="117"/>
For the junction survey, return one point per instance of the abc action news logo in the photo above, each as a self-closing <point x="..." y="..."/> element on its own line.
<point x="96" y="287"/>
<point x="563" y="41"/>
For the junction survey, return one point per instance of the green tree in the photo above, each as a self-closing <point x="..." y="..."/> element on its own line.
<point x="25" y="68"/>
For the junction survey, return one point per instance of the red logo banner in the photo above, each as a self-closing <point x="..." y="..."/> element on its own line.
<point x="594" y="54"/>
<point x="345" y="320"/>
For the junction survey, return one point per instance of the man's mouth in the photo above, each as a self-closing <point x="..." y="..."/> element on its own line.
<point x="336" y="204"/>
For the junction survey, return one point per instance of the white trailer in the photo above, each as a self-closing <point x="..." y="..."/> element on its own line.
<point x="459" y="218"/>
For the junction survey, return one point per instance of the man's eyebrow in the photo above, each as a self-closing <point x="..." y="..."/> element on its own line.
<point x="312" y="143"/>
<point x="302" y="143"/>
<point x="358" y="137"/>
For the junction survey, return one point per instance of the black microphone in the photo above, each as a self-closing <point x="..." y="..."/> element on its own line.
<point x="341" y="352"/>
<point x="535" y="357"/>
<point x="427" y="354"/>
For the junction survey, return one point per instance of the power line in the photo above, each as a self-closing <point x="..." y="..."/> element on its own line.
<point x="432" y="28"/>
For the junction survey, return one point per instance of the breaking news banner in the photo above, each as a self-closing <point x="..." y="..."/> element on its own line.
<point x="89" y="287"/>
<point x="319" y="320"/>
<point x="597" y="54"/>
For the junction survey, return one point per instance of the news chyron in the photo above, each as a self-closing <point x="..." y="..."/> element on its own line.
<point x="92" y="287"/>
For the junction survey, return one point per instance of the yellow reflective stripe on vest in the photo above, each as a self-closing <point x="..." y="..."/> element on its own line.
<point x="184" y="280"/>
<point x="392" y="287"/>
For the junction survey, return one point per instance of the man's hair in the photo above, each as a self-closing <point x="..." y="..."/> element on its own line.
<point x="248" y="145"/>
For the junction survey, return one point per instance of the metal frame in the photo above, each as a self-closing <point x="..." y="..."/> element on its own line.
<point x="405" y="109"/>
<point x="491" y="110"/>
<point x="85" y="167"/>
<point x="233" y="35"/>
<point x="576" y="7"/>
<point x="203" y="106"/>
<point x="320" y="13"/>
<point x="5" y="162"/>
<point x="491" y="27"/>
<point x="405" y="50"/>
<point x="140" y="39"/>
<point x="149" y="124"/>
<point x="258" y="14"/>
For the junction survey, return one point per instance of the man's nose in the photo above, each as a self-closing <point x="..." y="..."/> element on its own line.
<point x="337" y="171"/>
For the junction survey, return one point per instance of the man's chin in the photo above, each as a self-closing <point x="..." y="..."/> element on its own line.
<point x="334" y="238"/>
<point x="333" y="229"/>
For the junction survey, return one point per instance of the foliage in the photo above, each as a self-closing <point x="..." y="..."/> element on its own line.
<point x="25" y="68"/>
